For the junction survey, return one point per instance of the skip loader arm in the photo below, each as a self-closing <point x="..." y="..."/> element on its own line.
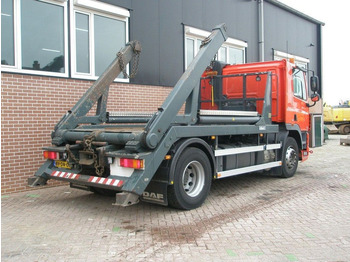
<point x="184" y="87"/>
<point x="98" y="92"/>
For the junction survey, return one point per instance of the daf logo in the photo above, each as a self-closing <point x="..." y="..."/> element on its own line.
<point x="153" y="195"/>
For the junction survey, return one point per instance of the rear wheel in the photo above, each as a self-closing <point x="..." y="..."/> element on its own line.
<point x="290" y="158"/>
<point x="192" y="180"/>
<point x="344" y="129"/>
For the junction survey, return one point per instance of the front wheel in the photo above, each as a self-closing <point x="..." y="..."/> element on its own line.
<point x="192" y="180"/>
<point x="290" y="158"/>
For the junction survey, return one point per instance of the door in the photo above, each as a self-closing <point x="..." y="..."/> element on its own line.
<point x="299" y="110"/>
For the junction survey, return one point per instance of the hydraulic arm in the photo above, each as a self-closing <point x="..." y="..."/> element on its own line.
<point x="184" y="87"/>
<point x="97" y="93"/>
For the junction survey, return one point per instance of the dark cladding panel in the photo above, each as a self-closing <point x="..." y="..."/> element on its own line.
<point x="171" y="42"/>
<point x="144" y="27"/>
<point x="290" y="34"/>
<point x="121" y="3"/>
<point x="193" y="13"/>
<point x="159" y="24"/>
<point x="240" y="16"/>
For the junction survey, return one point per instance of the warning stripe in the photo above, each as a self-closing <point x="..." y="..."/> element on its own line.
<point x="65" y="175"/>
<point x="91" y="179"/>
<point x="105" y="181"/>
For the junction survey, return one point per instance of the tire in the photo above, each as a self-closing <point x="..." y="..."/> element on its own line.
<point x="192" y="180"/>
<point x="290" y="158"/>
<point x="344" y="129"/>
<point x="347" y="129"/>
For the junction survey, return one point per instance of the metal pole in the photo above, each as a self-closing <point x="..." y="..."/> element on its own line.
<point x="261" y="30"/>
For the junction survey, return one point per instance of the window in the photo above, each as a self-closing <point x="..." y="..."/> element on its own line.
<point x="33" y="36"/>
<point x="44" y="51"/>
<point x="82" y="36"/>
<point x="7" y="33"/>
<point x="99" y="31"/>
<point x="231" y="52"/>
<point x="299" y="84"/>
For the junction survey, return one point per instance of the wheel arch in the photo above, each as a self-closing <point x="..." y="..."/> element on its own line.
<point x="299" y="136"/>
<point x="182" y="144"/>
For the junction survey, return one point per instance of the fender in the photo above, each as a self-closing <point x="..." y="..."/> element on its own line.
<point x="299" y="136"/>
<point x="156" y="191"/>
<point x="181" y="145"/>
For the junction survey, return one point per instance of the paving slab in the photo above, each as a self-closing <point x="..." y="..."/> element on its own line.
<point x="245" y="218"/>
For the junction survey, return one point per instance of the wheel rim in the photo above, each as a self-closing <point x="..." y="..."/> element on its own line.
<point x="193" y="179"/>
<point x="291" y="158"/>
<point x="347" y="129"/>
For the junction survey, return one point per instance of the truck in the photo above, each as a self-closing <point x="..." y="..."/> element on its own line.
<point x="337" y="118"/>
<point x="218" y="121"/>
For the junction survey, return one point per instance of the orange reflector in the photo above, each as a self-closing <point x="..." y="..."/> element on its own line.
<point x="211" y="73"/>
<point x="292" y="60"/>
<point x="51" y="155"/>
<point x="167" y="157"/>
<point x="213" y="137"/>
<point x="132" y="163"/>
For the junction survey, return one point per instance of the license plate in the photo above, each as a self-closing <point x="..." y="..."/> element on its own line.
<point x="62" y="164"/>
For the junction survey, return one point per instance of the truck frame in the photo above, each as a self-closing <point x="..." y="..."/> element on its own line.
<point x="203" y="131"/>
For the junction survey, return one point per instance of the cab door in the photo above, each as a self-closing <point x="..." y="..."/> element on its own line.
<point x="300" y="111"/>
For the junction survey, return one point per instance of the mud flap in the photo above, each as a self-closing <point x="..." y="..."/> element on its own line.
<point x="156" y="192"/>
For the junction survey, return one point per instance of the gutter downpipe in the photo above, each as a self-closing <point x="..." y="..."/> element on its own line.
<point x="261" y="30"/>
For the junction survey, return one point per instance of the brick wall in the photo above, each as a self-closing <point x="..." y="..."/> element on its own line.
<point x="32" y="105"/>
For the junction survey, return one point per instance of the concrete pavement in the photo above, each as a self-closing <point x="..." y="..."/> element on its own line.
<point x="245" y="218"/>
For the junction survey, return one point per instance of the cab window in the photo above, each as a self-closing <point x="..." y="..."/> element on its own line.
<point x="299" y="84"/>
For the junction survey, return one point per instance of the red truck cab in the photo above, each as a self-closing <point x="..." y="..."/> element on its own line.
<point x="242" y="87"/>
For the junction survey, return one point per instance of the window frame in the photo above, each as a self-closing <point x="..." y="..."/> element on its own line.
<point x="198" y="35"/>
<point x="17" y="67"/>
<point x="92" y="8"/>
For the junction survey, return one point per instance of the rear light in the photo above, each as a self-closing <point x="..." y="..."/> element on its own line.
<point x="51" y="155"/>
<point x="132" y="163"/>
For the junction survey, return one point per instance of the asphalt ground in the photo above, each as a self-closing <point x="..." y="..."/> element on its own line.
<point x="245" y="218"/>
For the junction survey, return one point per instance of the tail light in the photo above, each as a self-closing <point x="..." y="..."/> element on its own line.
<point x="132" y="163"/>
<point x="51" y="155"/>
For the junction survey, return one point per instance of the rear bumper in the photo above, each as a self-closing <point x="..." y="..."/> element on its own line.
<point x="93" y="181"/>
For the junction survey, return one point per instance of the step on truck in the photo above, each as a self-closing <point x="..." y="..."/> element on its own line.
<point x="218" y="121"/>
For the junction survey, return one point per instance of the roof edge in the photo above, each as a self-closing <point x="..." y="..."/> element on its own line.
<point x="294" y="11"/>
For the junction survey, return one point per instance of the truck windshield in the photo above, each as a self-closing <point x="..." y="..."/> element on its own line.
<point x="299" y="84"/>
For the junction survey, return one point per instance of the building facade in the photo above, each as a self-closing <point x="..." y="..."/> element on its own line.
<point x="53" y="50"/>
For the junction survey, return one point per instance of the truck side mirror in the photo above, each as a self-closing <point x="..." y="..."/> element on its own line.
<point x="314" y="83"/>
<point x="315" y="98"/>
